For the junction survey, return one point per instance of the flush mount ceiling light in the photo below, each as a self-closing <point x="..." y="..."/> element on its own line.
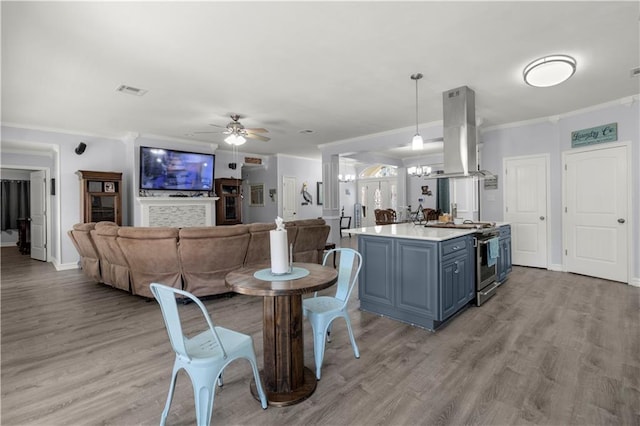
<point x="549" y="71"/>
<point x="417" y="143"/>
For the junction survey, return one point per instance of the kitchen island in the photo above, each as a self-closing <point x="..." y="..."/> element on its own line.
<point x="418" y="275"/>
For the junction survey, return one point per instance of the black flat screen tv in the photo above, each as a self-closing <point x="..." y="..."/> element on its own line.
<point x="171" y="170"/>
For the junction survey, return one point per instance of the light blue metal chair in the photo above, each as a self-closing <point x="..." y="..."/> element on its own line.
<point x="322" y="310"/>
<point x="203" y="356"/>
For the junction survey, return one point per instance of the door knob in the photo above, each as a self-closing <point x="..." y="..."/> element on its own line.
<point x="621" y="220"/>
<point x="541" y="217"/>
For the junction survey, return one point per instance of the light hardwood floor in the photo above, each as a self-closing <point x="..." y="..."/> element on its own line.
<point x="550" y="348"/>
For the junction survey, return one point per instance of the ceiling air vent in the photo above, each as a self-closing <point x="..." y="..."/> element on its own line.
<point x="131" y="90"/>
<point x="635" y="72"/>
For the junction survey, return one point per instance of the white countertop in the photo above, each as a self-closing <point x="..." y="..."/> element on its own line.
<point x="416" y="232"/>
<point x="411" y="231"/>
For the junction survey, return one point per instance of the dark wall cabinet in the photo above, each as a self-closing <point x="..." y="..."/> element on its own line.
<point x="229" y="206"/>
<point x="504" y="259"/>
<point x="416" y="281"/>
<point x="100" y="196"/>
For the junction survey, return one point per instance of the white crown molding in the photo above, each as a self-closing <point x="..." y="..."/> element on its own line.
<point x="554" y="119"/>
<point x="57" y="130"/>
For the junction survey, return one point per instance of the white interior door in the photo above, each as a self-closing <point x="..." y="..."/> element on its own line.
<point x="38" y="218"/>
<point x="595" y="221"/>
<point x="526" y="209"/>
<point x="289" y="198"/>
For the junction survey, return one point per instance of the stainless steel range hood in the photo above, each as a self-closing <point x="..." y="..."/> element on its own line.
<point x="460" y="153"/>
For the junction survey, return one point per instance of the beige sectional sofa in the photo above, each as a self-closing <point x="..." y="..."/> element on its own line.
<point x="195" y="259"/>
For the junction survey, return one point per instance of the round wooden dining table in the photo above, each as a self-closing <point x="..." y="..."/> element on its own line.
<point x="287" y="381"/>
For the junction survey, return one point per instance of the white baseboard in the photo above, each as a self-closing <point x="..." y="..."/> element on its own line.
<point x="557" y="267"/>
<point x="64" y="266"/>
<point x="635" y="282"/>
<point x="9" y="244"/>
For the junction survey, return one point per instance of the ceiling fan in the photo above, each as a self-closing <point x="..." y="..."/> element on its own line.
<point x="237" y="133"/>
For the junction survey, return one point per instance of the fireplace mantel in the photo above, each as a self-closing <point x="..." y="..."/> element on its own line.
<point x="177" y="212"/>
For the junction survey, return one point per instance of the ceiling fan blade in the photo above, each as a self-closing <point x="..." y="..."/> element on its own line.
<point x="197" y="133"/>
<point x="258" y="130"/>
<point x="258" y="137"/>
<point x="216" y="125"/>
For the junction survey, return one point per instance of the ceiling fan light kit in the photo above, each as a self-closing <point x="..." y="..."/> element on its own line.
<point x="417" y="143"/>
<point x="549" y="70"/>
<point x="237" y="133"/>
<point x="235" y="139"/>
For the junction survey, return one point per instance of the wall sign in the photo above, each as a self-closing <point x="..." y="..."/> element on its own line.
<point x="491" y="182"/>
<point x="600" y="134"/>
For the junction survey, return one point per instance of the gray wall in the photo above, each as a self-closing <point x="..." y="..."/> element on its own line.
<point x="553" y="138"/>
<point x="121" y="155"/>
<point x="304" y="170"/>
<point x="267" y="175"/>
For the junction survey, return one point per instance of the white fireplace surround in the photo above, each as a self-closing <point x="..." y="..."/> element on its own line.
<point x="177" y="211"/>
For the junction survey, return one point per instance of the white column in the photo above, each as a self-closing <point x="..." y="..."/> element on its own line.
<point x="330" y="206"/>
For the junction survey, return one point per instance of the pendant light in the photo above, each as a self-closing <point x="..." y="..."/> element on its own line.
<point x="417" y="143"/>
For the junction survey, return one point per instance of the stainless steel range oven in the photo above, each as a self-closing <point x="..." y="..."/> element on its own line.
<point x="486" y="284"/>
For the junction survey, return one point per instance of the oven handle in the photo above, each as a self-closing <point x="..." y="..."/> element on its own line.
<point x="477" y="242"/>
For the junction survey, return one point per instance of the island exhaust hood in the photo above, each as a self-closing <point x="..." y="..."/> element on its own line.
<point x="460" y="153"/>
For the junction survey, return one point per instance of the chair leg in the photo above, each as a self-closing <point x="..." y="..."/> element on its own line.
<point x="319" y="338"/>
<point x="329" y="332"/>
<point x="172" y="387"/>
<point x="356" y="352"/>
<point x="256" y="377"/>
<point x="204" y="393"/>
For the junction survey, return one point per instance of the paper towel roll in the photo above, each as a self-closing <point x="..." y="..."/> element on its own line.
<point x="279" y="252"/>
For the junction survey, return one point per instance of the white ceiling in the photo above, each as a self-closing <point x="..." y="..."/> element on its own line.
<point x="340" y="69"/>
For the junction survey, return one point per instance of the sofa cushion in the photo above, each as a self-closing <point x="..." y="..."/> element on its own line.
<point x="258" y="250"/>
<point x="310" y="243"/>
<point x="113" y="264"/>
<point x="152" y="256"/>
<point x="89" y="259"/>
<point x="208" y="254"/>
<point x="308" y="222"/>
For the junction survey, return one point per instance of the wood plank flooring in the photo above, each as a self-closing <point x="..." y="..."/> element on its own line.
<point x="551" y="348"/>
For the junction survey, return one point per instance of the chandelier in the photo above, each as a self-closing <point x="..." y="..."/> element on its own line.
<point x="419" y="171"/>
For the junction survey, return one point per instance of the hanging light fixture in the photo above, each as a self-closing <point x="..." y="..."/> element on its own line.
<point x="346" y="177"/>
<point x="417" y="143"/>
<point x="549" y="70"/>
<point x="419" y="171"/>
<point x="235" y="139"/>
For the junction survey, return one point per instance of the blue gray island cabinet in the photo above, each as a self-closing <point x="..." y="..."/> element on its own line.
<point x="416" y="275"/>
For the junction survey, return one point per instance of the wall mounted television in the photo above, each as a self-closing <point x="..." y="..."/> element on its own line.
<point x="171" y="170"/>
